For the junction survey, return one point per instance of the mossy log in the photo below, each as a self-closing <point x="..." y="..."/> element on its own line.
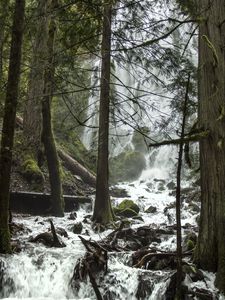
<point x="40" y="204"/>
<point x="76" y="168"/>
<point x="70" y="163"/>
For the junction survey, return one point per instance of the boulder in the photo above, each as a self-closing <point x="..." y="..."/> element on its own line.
<point x="151" y="209"/>
<point x="129" y="204"/>
<point x="77" y="228"/>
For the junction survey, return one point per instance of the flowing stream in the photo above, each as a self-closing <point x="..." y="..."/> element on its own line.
<point x="38" y="272"/>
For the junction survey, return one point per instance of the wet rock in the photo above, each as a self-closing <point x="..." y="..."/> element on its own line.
<point x="161" y="186"/>
<point x="171" y="185"/>
<point x="151" y="209"/>
<point x="169" y="206"/>
<point x="138" y="218"/>
<point x="150" y="185"/>
<point x="72" y="216"/>
<point x="194" y="207"/>
<point x="159" y="180"/>
<point x="127" y="213"/>
<point x="77" y="228"/>
<point x="193" y="273"/>
<point x="62" y="232"/>
<point x="118" y="192"/>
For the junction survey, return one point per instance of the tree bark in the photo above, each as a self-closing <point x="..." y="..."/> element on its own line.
<point x="210" y="252"/>
<point x="9" y="122"/>
<point x="3" y="16"/>
<point x="32" y="113"/>
<point x="102" y="208"/>
<point x="47" y="132"/>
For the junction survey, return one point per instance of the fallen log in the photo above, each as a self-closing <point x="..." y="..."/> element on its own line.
<point x="40" y="204"/>
<point x="76" y="168"/>
<point x="70" y="163"/>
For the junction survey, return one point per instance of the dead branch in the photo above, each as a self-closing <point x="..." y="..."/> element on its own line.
<point x="192" y="138"/>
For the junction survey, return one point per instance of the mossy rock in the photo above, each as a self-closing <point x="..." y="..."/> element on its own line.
<point x="127" y="208"/>
<point x="127" y="166"/>
<point x="31" y="171"/>
<point x="127" y="213"/>
<point x="190" y="241"/>
<point x="129" y="204"/>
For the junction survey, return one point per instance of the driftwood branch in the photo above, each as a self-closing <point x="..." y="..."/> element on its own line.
<point x="191" y="138"/>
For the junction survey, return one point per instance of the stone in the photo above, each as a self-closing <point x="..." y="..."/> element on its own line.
<point x="171" y="185"/>
<point x="151" y="209"/>
<point x="128" y="204"/>
<point x="77" y="228"/>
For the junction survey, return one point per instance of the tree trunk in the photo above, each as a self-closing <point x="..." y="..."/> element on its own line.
<point x="102" y="209"/>
<point x="3" y="15"/>
<point x="9" y="122"/>
<point x="178" y="200"/>
<point x="32" y="113"/>
<point x="210" y="252"/>
<point x="47" y="132"/>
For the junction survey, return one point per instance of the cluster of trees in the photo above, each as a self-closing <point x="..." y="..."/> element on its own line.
<point x="67" y="31"/>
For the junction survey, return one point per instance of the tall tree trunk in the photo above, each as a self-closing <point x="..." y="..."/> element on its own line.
<point x="32" y="113"/>
<point x="47" y="132"/>
<point x="9" y="122"/>
<point x="210" y="252"/>
<point x="102" y="209"/>
<point x="3" y="16"/>
<point x="178" y="200"/>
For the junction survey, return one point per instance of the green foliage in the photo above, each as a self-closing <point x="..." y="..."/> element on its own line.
<point x="127" y="166"/>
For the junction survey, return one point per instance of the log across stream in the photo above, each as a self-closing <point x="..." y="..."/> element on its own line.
<point x="40" y="203"/>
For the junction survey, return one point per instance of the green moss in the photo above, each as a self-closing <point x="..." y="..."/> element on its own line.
<point x="72" y="144"/>
<point x="129" y="204"/>
<point x="190" y="245"/>
<point x="126" y="166"/>
<point x="31" y="171"/>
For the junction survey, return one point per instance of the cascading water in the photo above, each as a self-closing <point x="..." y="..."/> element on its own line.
<point x="38" y="272"/>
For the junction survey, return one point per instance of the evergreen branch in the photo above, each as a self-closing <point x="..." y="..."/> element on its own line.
<point x="163" y="37"/>
<point x="192" y="138"/>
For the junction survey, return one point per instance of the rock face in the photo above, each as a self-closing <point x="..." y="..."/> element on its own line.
<point x="127" y="166"/>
